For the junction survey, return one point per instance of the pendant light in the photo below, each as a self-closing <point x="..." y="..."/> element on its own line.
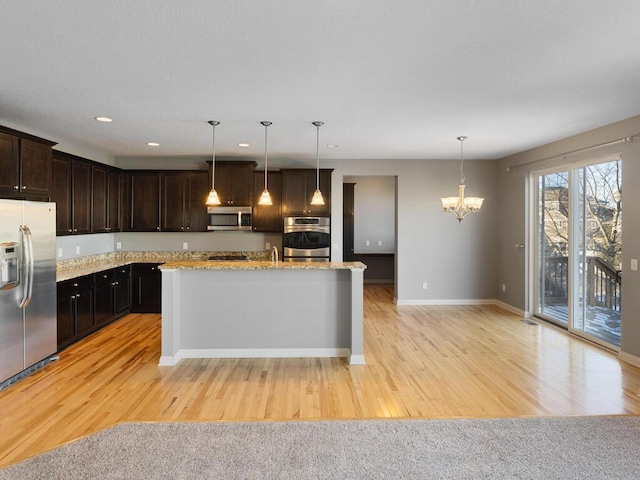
<point x="317" y="195"/>
<point x="459" y="205"/>
<point x="265" y="198"/>
<point x="213" y="199"/>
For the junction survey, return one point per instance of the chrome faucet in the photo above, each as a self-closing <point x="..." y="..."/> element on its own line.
<point x="274" y="254"/>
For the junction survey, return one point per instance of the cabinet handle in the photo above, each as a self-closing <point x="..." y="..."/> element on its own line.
<point x="75" y="284"/>
<point x="16" y="187"/>
<point x="75" y="229"/>
<point x="104" y="276"/>
<point x="73" y="296"/>
<point x="158" y="228"/>
<point x="181" y="228"/>
<point x="77" y="295"/>
<point x="70" y="230"/>
<point x="140" y="291"/>
<point x="116" y="283"/>
<point x="187" y="228"/>
<point x="24" y="187"/>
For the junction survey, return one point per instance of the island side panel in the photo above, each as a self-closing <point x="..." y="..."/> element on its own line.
<point x="357" y="318"/>
<point x="170" y="344"/>
<point x="270" y="310"/>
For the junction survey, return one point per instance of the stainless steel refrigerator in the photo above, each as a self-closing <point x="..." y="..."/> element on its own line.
<point x="28" y="325"/>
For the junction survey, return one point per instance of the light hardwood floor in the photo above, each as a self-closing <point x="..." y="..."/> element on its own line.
<point x="422" y="362"/>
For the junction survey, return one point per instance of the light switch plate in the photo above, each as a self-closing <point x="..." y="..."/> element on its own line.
<point x="634" y="264"/>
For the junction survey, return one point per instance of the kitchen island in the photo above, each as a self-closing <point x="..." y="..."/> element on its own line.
<point x="257" y="309"/>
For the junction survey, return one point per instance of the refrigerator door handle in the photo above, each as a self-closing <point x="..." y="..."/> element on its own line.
<point x="27" y="248"/>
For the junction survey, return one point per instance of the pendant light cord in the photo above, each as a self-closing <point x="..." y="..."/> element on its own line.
<point x="462" y="139"/>
<point x="265" y="154"/>
<point x="213" y="123"/>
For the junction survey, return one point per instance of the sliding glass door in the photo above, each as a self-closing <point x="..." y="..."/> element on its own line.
<point x="578" y="221"/>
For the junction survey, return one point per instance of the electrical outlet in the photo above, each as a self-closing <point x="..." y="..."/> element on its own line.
<point x="185" y="245"/>
<point x="379" y="243"/>
<point x="634" y="264"/>
<point x="425" y="285"/>
<point x="78" y="250"/>
<point x="504" y="287"/>
<point x="267" y="246"/>
<point x="118" y="245"/>
<point x="59" y="253"/>
<point x="367" y="243"/>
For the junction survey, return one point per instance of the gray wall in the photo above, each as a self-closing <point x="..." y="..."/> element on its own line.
<point x="458" y="262"/>
<point x="375" y="206"/>
<point x="512" y="227"/>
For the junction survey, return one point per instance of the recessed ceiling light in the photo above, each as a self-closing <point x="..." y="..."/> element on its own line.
<point x="331" y="145"/>
<point x="153" y="144"/>
<point x="104" y="119"/>
<point x="243" y="145"/>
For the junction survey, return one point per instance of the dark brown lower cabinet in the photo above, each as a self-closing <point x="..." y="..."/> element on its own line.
<point x="75" y="309"/>
<point x="146" y="288"/>
<point x="86" y="304"/>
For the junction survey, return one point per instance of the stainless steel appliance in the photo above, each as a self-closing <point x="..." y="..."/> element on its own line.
<point x="307" y="239"/>
<point x="28" y="325"/>
<point x="229" y="218"/>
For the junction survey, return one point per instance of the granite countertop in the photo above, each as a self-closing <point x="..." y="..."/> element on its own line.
<point x="260" y="265"/>
<point x="77" y="267"/>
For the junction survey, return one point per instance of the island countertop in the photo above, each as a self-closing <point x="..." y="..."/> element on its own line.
<point x="259" y="265"/>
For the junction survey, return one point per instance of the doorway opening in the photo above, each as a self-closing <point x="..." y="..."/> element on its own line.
<point x="369" y="225"/>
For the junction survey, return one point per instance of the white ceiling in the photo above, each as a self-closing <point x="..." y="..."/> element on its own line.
<point x="391" y="80"/>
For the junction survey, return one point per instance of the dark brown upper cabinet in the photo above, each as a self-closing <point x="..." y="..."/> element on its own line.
<point x="234" y="182"/>
<point x="267" y="218"/>
<point x="105" y="194"/>
<point x="183" y="201"/>
<point x="145" y="201"/>
<point x="71" y="191"/>
<point x="25" y="165"/>
<point x="298" y="186"/>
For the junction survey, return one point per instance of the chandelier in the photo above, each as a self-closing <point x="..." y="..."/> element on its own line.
<point x="461" y="206"/>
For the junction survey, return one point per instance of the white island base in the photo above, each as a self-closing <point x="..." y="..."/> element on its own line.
<point x="261" y="309"/>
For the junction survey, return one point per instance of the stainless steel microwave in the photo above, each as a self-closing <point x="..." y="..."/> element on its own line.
<point x="229" y="218"/>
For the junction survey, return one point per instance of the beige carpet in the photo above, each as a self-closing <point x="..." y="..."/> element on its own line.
<point x="529" y="448"/>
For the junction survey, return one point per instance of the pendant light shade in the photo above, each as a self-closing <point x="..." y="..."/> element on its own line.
<point x="461" y="206"/>
<point x="265" y="198"/>
<point x="213" y="199"/>
<point x="317" y="195"/>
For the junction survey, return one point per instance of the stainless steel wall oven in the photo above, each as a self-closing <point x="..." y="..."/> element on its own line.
<point x="307" y="239"/>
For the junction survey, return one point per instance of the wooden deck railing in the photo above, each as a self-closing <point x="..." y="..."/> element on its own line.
<point x="603" y="282"/>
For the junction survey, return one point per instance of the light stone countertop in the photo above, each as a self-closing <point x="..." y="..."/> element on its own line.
<point x="80" y="266"/>
<point x="260" y="265"/>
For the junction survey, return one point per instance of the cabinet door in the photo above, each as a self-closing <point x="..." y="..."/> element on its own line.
<point x="125" y="201"/>
<point x="84" y="312"/>
<point x="294" y="192"/>
<point x="122" y="291"/>
<point x="81" y="204"/>
<point x="173" y="193"/>
<point x="113" y="201"/>
<point x="104" y="298"/>
<point x="66" y="318"/>
<point x="223" y="183"/>
<point x="61" y="194"/>
<point x="145" y="201"/>
<point x="197" y="185"/>
<point x="146" y="291"/>
<point x="267" y="218"/>
<point x="241" y="182"/>
<point x="99" y="196"/>
<point x="325" y="188"/>
<point x="35" y="162"/>
<point x="9" y="163"/>
<point x="348" y="217"/>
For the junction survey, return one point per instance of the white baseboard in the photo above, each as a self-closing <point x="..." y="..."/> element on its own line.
<point x="168" y="361"/>
<point x="447" y="301"/>
<point x="628" y="358"/>
<point x="356" y="360"/>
